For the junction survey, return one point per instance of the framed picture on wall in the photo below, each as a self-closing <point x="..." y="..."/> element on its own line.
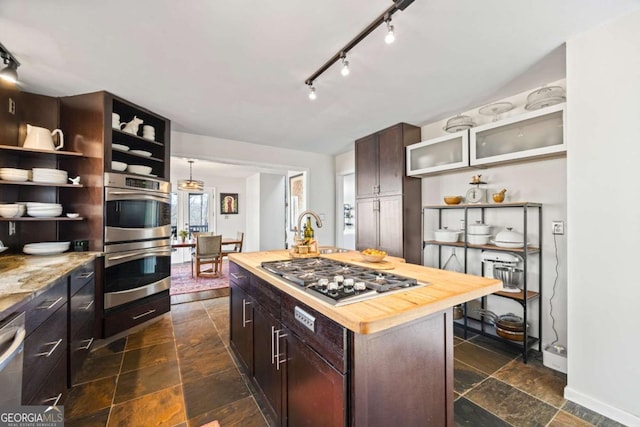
<point x="228" y="203"/>
<point x="297" y="198"/>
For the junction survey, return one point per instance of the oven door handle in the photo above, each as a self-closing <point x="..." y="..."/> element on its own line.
<point x="136" y="195"/>
<point x="141" y="254"/>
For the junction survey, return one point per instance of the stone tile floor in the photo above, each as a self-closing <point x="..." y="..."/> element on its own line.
<point x="178" y="371"/>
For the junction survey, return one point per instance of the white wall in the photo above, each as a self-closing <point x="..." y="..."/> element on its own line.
<point x="345" y="165"/>
<point x="320" y="171"/>
<point x="272" y="212"/>
<point x="252" y="235"/>
<point x="603" y="75"/>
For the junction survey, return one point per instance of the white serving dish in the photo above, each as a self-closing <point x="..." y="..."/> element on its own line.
<point x="11" y="210"/>
<point x="44" y="212"/>
<point x="139" y="169"/>
<point x="120" y="147"/>
<point x="141" y="153"/>
<point x="73" y="215"/>
<point x="15" y="175"/>
<point x="118" y="166"/>
<point x="42" y="205"/>
<point x="509" y="245"/>
<point x="46" y="248"/>
<point x="446" y="236"/>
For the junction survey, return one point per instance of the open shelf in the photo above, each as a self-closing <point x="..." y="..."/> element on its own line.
<point x="32" y="219"/>
<point x="485" y="205"/>
<point x="34" y="151"/>
<point x="40" y="184"/>
<point x="488" y="330"/>
<point x="531" y="249"/>
<point x="131" y="136"/>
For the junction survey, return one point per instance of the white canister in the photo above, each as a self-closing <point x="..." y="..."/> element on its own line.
<point x="115" y="120"/>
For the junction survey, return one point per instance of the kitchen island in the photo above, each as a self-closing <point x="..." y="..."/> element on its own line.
<point x="380" y="362"/>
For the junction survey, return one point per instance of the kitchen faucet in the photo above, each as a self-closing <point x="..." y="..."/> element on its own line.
<point x="313" y="214"/>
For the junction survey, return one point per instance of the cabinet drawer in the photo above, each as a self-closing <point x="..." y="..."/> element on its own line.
<point x="80" y="276"/>
<point x="53" y="387"/>
<point x="79" y="348"/>
<point x="43" y="306"/>
<point x="42" y="349"/>
<point x="125" y="317"/>
<point x="239" y="275"/>
<point x="328" y="338"/>
<point x="81" y="309"/>
<point x="267" y="295"/>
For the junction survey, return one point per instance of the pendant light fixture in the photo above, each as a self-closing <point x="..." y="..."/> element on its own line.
<point x="191" y="184"/>
<point x="10" y="72"/>
<point x="384" y="18"/>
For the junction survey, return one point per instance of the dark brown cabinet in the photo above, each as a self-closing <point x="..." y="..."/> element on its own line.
<point x="241" y="326"/>
<point x="81" y="318"/>
<point x="388" y="202"/>
<point x="267" y="369"/>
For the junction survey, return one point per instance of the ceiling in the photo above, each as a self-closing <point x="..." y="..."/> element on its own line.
<point x="235" y="69"/>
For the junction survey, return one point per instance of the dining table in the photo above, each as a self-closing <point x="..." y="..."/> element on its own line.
<point x="192" y="243"/>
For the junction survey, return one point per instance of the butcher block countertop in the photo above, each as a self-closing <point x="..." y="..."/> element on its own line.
<point x="24" y="277"/>
<point x="445" y="290"/>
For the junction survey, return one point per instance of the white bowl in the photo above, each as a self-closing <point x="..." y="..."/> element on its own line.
<point x="15" y="175"/>
<point x="42" y="205"/>
<point x="46" y="248"/>
<point x="446" y="236"/>
<point x="141" y="153"/>
<point x="139" y="169"/>
<point x="44" y="212"/>
<point x="11" y="211"/>
<point x="73" y="215"/>
<point x="118" y="166"/>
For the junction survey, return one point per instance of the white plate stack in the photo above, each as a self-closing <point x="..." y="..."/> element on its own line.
<point x="49" y="176"/>
<point x="44" y="210"/>
<point x="15" y="175"/>
<point x="46" y="248"/>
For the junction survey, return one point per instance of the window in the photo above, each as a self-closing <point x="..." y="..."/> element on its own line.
<point x="198" y="212"/>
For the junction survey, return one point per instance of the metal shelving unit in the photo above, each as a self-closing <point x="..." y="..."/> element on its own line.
<point x="525" y="296"/>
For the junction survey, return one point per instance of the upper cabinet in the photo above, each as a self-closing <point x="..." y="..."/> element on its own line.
<point x="439" y="154"/>
<point x="523" y="137"/>
<point x="536" y="134"/>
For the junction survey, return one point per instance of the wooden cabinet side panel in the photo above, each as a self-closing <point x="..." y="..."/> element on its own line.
<point x="403" y="376"/>
<point x="366" y="224"/>
<point x="8" y="121"/>
<point x="391" y="160"/>
<point x="391" y="225"/>
<point x="366" y="166"/>
<point x="412" y="221"/>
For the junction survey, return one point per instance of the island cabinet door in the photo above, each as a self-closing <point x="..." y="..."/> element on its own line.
<point x="267" y="353"/>
<point x="241" y="326"/>
<point x="315" y="391"/>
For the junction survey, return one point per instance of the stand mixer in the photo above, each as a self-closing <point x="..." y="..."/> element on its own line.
<point x="504" y="266"/>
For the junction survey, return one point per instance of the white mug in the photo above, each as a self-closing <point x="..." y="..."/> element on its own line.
<point x="148" y="128"/>
<point x="115" y="120"/>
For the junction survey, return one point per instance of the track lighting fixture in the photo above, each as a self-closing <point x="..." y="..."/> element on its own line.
<point x="345" y="65"/>
<point x="390" y="37"/>
<point x="10" y="72"/>
<point x="312" y="91"/>
<point x="384" y="18"/>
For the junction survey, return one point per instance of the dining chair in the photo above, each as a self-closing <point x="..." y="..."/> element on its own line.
<point x="208" y="251"/>
<point x="195" y="237"/>
<point x="237" y="247"/>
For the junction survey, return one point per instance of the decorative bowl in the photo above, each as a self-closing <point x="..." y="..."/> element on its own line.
<point x="139" y="169"/>
<point x="452" y="200"/>
<point x="373" y="255"/>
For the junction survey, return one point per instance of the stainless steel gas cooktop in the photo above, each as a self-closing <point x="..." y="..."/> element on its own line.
<point x="339" y="283"/>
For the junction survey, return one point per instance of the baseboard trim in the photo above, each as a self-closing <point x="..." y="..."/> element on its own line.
<point x="600" y="407"/>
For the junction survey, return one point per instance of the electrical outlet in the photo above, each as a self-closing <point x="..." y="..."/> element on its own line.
<point x="12" y="106"/>
<point x="557" y="227"/>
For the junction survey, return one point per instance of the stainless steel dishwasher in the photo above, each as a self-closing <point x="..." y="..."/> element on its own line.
<point x="12" y="334"/>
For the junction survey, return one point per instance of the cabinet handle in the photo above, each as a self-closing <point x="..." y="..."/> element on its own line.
<point x="273" y="353"/>
<point x="54" y="399"/>
<point x="50" y="352"/>
<point x="238" y="276"/>
<point x="86" y="347"/>
<point x="245" y="303"/>
<point x="146" y="313"/>
<point x="87" y="307"/>
<point x="85" y="275"/>
<point x="50" y="306"/>
<point x="277" y="339"/>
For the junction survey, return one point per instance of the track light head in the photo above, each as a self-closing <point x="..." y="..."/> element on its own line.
<point x="390" y="37"/>
<point x="312" y="91"/>
<point x="10" y="72"/>
<point x="345" y="65"/>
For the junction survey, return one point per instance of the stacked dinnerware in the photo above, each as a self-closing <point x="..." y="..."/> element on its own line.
<point x="139" y="169"/>
<point x="44" y="210"/>
<point x="50" y="176"/>
<point x="46" y="248"/>
<point x="149" y="132"/>
<point x="12" y="174"/>
<point x="11" y="210"/>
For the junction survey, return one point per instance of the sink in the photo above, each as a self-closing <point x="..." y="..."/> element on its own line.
<point x="331" y="250"/>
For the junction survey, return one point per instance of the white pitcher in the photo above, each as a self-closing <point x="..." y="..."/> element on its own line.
<point x="42" y="139"/>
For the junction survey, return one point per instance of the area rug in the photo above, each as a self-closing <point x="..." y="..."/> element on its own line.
<point x="183" y="283"/>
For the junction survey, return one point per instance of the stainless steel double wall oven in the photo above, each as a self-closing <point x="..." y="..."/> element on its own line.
<point x="137" y="238"/>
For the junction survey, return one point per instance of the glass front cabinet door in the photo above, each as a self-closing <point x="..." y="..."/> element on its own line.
<point x="439" y="154"/>
<point x="535" y="134"/>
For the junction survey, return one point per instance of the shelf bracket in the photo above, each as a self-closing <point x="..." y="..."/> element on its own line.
<point x="12" y="228"/>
